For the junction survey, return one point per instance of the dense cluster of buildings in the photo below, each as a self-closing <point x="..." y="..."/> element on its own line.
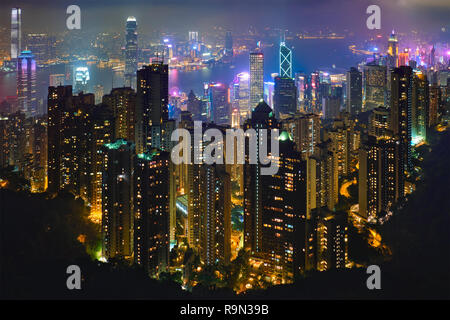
<point x="114" y="151"/>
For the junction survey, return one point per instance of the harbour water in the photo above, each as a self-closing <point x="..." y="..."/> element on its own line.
<point x="308" y="56"/>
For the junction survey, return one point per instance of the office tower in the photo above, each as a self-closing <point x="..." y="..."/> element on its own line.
<point x="82" y="78"/>
<point x="42" y="45"/>
<point x="354" y="91"/>
<point x="131" y="52"/>
<point x="403" y="58"/>
<point x="16" y="33"/>
<point x="300" y="83"/>
<point x="284" y="97"/>
<point x="322" y="179"/>
<point x="381" y="178"/>
<point x="342" y="143"/>
<point x="216" y="214"/>
<point x="152" y="210"/>
<point x="330" y="239"/>
<point x="374" y="86"/>
<point x="330" y="108"/>
<point x="305" y="131"/>
<point x="401" y="105"/>
<point x="420" y="108"/>
<point x="269" y="92"/>
<point x="435" y="98"/>
<point x="57" y="80"/>
<point x="254" y="183"/>
<point x="26" y="83"/>
<point x="194" y="106"/>
<point x="220" y="109"/>
<point x="228" y="44"/>
<point x="117" y="199"/>
<point x="242" y="94"/>
<point x="151" y="105"/>
<point x="193" y="36"/>
<point x="393" y="50"/>
<point x="69" y="134"/>
<point x="98" y="92"/>
<point x="122" y="101"/>
<point x="379" y="125"/>
<point x="256" y="78"/>
<point x="285" y="60"/>
<point x="235" y="119"/>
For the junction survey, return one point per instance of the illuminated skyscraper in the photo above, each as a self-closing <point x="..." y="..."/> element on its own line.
<point x="300" y="82"/>
<point x="220" y="108"/>
<point x="330" y="107"/>
<point x="374" y="86"/>
<point x="285" y="61"/>
<point x="322" y="179"/>
<point x="283" y="214"/>
<point x="69" y="141"/>
<point x="305" y="131"/>
<point x="435" y="98"/>
<point x="26" y="83"/>
<point x="242" y="94"/>
<point x="131" y="52"/>
<point x="254" y="183"/>
<point x="194" y="106"/>
<point x="228" y="44"/>
<point x="151" y="106"/>
<point x="152" y="210"/>
<point x="256" y="78"/>
<point x="381" y="178"/>
<point x="117" y="199"/>
<point x="16" y="33"/>
<point x="330" y="239"/>
<point x="420" y="106"/>
<point x="401" y="111"/>
<point x="343" y="144"/>
<point x="82" y="78"/>
<point x="354" y="91"/>
<point x="285" y="97"/>
<point x="393" y="50"/>
<point x="216" y="214"/>
<point x="123" y="103"/>
<point x="102" y="132"/>
<point x="57" y="80"/>
<point x="379" y="125"/>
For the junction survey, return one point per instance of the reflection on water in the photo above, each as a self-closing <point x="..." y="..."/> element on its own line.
<point x="308" y="55"/>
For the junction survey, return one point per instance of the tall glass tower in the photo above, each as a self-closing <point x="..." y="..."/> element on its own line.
<point x="256" y="78"/>
<point x="26" y="83"/>
<point x="16" y="33"/>
<point x="285" y="60"/>
<point x="131" y="52"/>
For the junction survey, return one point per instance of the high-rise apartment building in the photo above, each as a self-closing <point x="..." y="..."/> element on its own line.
<point x="117" y="199"/>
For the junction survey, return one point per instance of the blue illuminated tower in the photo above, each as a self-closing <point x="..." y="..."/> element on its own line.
<point x="285" y="60"/>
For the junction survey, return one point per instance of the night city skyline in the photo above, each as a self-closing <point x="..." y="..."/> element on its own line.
<point x="191" y="150"/>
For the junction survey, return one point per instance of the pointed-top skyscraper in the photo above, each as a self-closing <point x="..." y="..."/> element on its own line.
<point x="285" y="59"/>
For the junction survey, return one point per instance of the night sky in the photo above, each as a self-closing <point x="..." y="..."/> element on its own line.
<point x="101" y="15"/>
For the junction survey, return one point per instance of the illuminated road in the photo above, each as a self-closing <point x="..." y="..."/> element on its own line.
<point x="344" y="188"/>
